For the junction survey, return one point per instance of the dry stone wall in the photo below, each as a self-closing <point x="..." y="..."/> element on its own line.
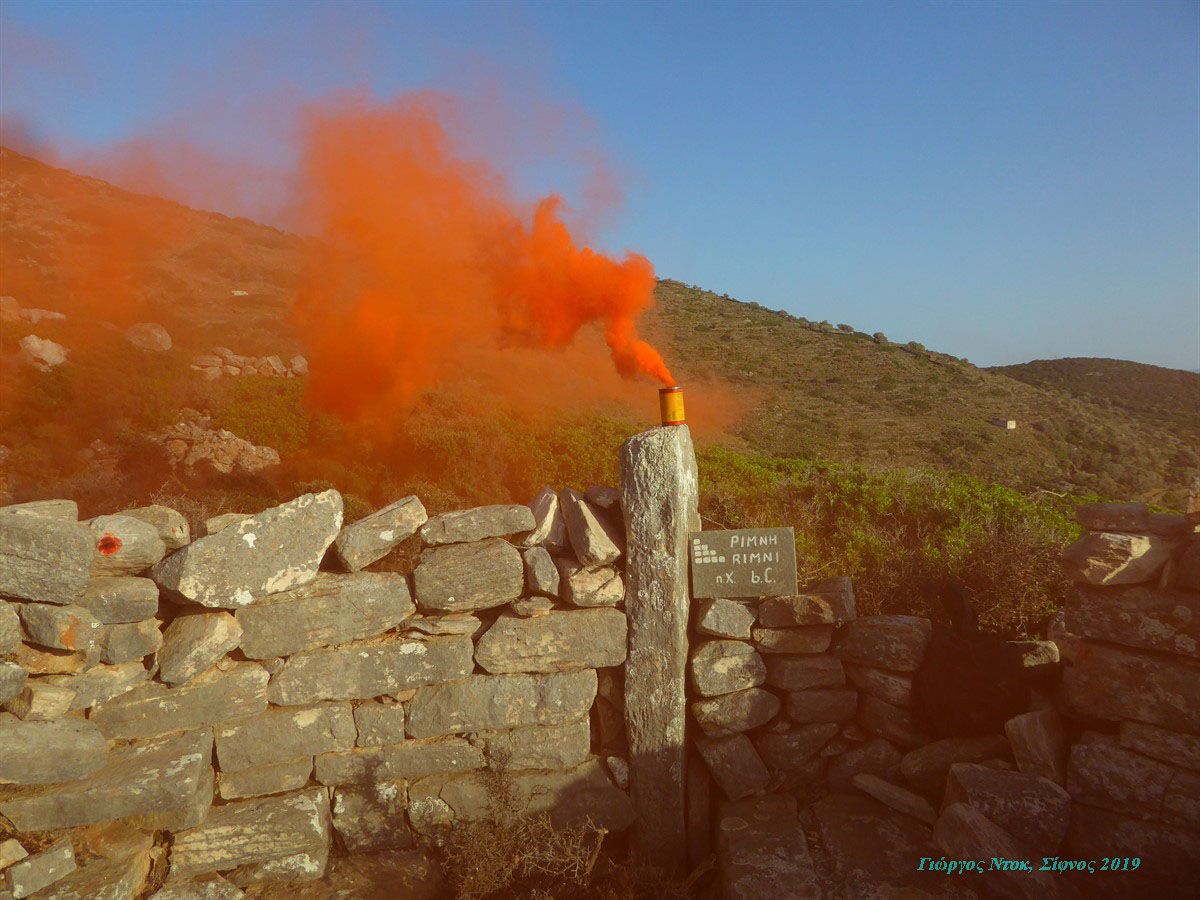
<point x="239" y="707"/>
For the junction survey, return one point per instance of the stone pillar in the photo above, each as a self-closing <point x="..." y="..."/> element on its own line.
<point x="659" y="494"/>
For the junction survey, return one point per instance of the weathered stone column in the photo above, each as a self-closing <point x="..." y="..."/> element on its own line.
<point x="659" y="495"/>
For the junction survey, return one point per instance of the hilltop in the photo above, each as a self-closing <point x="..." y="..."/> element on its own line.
<point x="814" y="390"/>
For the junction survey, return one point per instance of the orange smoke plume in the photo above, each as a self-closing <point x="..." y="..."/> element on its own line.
<point x="426" y="265"/>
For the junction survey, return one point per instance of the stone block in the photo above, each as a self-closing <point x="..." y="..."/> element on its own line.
<point x="896" y="643"/>
<point x="561" y="640"/>
<point x="1161" y="744"/>
<point x="537" y="747"/>
<point x="66" y="510"/>
<point x="100" y="683"/>
<point x="371" y="538"/>
<point x="896" y="797"/>
<point x="193" y="643"/>
<point x="799" y="673"/>
<point x="120" y="599"/>
<point x="541" y="575"/>
<point x="1033" y="809"/>
<point x="807" y="639"/>
<point x="467" y="577"/>
<point x="734" y="765"/>
<point x="1112" y="558"/>
<point x="39" y="700"/>
<point x="892" y="687"/>
<point x="464" y="526"/>
<point x="65" y="749"/>
<point x="39" y="870"/>
<point x="739" y="711"/>
<point x="722" y="618"/>
<point x="131" y="642"/>
<point x="170" y="524"/>
<point x="793" y="748"/>
<point x="12" y="681"/>
<point x="549" y="528"/>
<point x="268" y="778"/>
<point x="371" y="668"/>
<point x="371" y="816"/>
<point x="493" y="702"/>
<point x="44" y="559"/>
<point x="589" y="585"/>
<point x="124" y="545"/>
<point x="926" y="767"/>
<point x="790" y="612"/>
<point x="10" y="628"/>
<point x="65" y="627"/>
<point x="874" y="757"/>
<point x="723" y="666"/>
<point x="379" y="724"/>
<point x="1143" y="616"/>
<point x="410" y="759"/>
<point x="1112" y="683"/>
<point x="964" y="833"/>
<point x="761" y="851"/>
<point x="595" y="536"/>
<point x="1100" y="772"/>
<point x="895" y="723"/>
<point x="1039" y="744"/>
<point x="282" y="734"/>
<point x="822" y="705"/>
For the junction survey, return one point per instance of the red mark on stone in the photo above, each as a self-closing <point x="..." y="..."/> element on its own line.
<point x="109" y="544"/>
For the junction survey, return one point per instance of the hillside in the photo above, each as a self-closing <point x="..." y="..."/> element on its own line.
<point x="107" y="257"/>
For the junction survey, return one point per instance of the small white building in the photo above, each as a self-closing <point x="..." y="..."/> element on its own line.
<point x="1006" y="424"/>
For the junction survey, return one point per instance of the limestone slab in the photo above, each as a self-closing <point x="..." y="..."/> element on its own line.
<point x="269" y="778"/>
<point x="410" y="759"/>
<point x="467" y="577"/>
<point x="371" y="538"/>
<point x="560" y="640"/>
<point x="799" y="673"/>
<point x="896" y="643"/>
<point x="724" y="666"/>
<point x="46" y="752"/>
<point x="371" y="816"/>
<point x="464" y="526"/>
<point x="44" y="559"/>
<point x="120" y="599"/>
<point x="193" y="643"/>
<point x="282" y="734"/>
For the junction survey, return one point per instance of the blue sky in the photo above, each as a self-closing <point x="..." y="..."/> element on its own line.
<point x="1001" y="181"/>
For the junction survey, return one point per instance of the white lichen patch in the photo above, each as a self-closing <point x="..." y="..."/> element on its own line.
<point x="307" y="717"/>
<point x="250" y="537"/>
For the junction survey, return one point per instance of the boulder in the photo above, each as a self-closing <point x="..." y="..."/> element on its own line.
<point x="1112" y="558"/>
<point x="793" y="748"/>
<point x="39" y="870"/>
<point x="722" y="667"/>
<point x="64" y="627"/>
<point x="739" y="711"/>
<point x="659" y="496"/>
<point x="788" y="612"/>
<point x="153" y="709"/>
<point x="268" y="778"/>
<point x="124" y="545"/>
<point x="126" y="643"/>
<point x="549" y="527"/>
<point x="371" y="816"/>
<point x="799" y="673"/>
<point x="278" y="735"/>
<point x="596" y="539"/>
<point x="409" y="759"/>
<point x="964" y="833"/>
<point x="926" y="767"/>
<point x="1039" y="744"/>
<point x="761" y="851"/>
<point x="887" y="642"/>
<point x="148" y="336"/>
<point x="158" y="776"/>
<point x="876" y="757"/>
<point x="558" y="641"/>
<point x="808" y="639"/>
<point x="170" y="524"/>
<point x="472" y="525"/>
<point x="539" y="746"/>
<point x="371" y="538"/>
<point x="47" y="752"/>
<point x="722" y="618"/>
<point x="379" y="724"/>
<point x="487" y="702"/>
<point x="332" y="609"/>
<point x="193" y="643"/>
<point x="43" y="559"/>
<point x="299" y="364"/>
<point x="589" y="585"/>
<point x="1034" y="810"/>
<point x="364" y="669"/>
<point x="257" y="831"/>
<point x="120" y="599"/>
<point x="1142" y="616"/>
<point x="274" y="551"/>
<point x="541" y="575"/>
<point x="41" y="353"/>
<point x="822" y="705"/>
<point x="734" y="765"/>
<point x="467" y="577"/>
<point x="1112" y="683"/>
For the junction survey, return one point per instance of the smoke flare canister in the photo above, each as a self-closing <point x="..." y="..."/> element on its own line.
<point x="670" y="405"/>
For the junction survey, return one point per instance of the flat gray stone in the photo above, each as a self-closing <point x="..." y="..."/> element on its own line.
<point x="410" y="759"/>
<point x="589" y="585"/>
<point x="100" y="683"/>
<point x="807" y="639"/>
<point x="47" y="752"/>
<point x="1112" y="558"/>
<point x="723" y="666"/>
<point x="278" y="735"/>
<point x="761" y="851"/>
<point x="539" y="746"/>
<point x="893" y="687"/>
<point x="371" y="538"/>
<point x="793" y="748"/>
<point x="187" y="811"/>
<point x="65" y="627"/>
<point x="964" y="833"/>
<point x="256" y="831"/>
<point x="569" y="798"/>
<point x="822" y="705"/>
<point x="926" y="768"/>
<point x="193" y="643"/>
<point x="119" y="878"/>
<point x="371" y="668"/>
<point x="268" y="778"/>
<point x="541" y="575"/>
<point x="159" y="776"/>
<point x="379" y="724"/>
<point x="332" y="609"/>
<point x="560" y="640"/>
<point x="549" y="528"/>
<point x="1034" y="810"/>
<point x="659" y="495"/>
<point x="66" y="510"/>
<point x="531" y="607"/>
<point x="153" y="709"/>
<point x="799" y="673"/>
<point x="896" y="797"/>
<point x="1102" y="773"/>
<point x="371" y="816"/>
<point x="490" y="702"/>
<point x="1112" y="683"/>
<point x="467" y="577"/>
<point x="453" y="623"/>
<point x="734" y="765"/>
<point x="739" y="711"/>
<point x="1142" y="616"/>
<point x="595" y="537"/>
<point x="896" y="643"/>
<point x="722" y="618"/>
<point x="130" y="642"/>
<point x="276" y="550"/>
<point x="124" y="545"/>
<point x="39" y="870"/>
<point x="1161" y="744"/>
<point x="789" y="612"/>
<point x="1039" y="744"/>
<point x="120" y="599"/>
<point x="10" y="628"/>
<point x="39" y="701"/>
<point x="12" y="680"/>
<point x="170" y="524"/>
<point x="44" y="559"/>
<point x="875" y="757"/>
<point x="469" y="525"/>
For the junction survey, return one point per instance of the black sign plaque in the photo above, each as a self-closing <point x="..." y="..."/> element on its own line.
<point x="746" y="562"/>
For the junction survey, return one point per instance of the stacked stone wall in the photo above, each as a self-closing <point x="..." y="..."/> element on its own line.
<point x="249" y="704"/>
